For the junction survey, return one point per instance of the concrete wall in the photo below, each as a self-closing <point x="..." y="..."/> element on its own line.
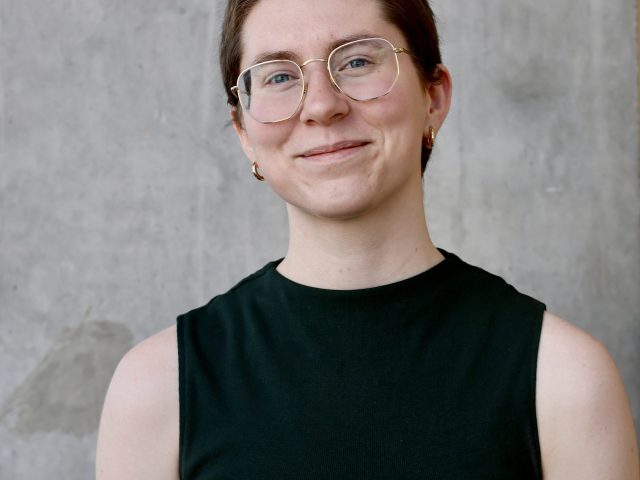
<point x="124" y="199"/>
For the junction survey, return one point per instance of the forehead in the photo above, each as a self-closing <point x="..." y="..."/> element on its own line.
<point x="308" y="27"/>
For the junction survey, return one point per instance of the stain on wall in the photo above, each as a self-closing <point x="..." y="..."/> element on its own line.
<point x="64" y="393"/>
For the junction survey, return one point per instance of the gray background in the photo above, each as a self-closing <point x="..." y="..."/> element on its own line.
<point x="124" y="199"/>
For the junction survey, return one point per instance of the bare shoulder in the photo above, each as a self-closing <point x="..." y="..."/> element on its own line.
<point x="148" y="373"/>
<point x="584" y="419"/>
<point x="139" y="426"/>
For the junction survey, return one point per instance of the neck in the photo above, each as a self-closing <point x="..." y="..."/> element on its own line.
<point x="384" y="246"/>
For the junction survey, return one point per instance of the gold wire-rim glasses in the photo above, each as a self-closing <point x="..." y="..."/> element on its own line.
<point x="396" y="50"/>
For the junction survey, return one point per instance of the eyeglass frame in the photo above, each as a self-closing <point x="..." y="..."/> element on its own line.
<point x="396" y="50"/>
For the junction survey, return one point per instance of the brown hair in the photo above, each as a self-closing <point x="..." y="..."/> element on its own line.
<point x="414" y="18"/>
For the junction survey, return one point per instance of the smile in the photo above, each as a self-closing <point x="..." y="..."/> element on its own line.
<point x="334" y="151"/>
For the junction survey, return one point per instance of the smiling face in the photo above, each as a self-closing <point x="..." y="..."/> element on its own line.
<point x="337" y="157"/>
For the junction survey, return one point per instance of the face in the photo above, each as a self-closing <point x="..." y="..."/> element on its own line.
<point x="336" y="157"/>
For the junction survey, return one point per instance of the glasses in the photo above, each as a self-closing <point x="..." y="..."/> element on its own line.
<point x="273" y="91"/>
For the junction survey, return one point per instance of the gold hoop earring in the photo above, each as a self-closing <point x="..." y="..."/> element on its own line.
<point x="430" y="141"/>
<point x="256" y="173"/>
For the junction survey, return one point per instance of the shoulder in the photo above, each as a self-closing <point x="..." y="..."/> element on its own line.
<point x="151" y="367"/>
<point x="584" y="419"/>
<point x="140" y="417"/>
<point x="483" y="285"/>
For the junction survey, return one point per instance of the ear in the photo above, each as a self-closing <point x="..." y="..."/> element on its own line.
<point x="242" y="134"/>
<point x="439" y="95"/>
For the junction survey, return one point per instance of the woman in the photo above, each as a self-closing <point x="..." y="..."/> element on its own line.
<point x="366" y="352"/>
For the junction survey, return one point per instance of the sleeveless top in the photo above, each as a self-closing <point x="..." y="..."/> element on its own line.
<point x="432" y="377"/>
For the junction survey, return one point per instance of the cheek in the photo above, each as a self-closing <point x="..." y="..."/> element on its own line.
<point x="400" y="118"/>
<point x="265" y="140"/>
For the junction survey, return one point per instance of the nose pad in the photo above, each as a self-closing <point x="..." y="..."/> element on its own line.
<point x="333" y="85"/>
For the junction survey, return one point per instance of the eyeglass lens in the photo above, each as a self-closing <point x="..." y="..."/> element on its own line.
<point x="363" y="70"/>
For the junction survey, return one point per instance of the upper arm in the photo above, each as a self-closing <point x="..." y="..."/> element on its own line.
<point x="139" y="426"/>
<point x="584" y="419"/>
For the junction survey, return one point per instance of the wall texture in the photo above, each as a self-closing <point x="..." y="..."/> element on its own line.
<point x="125" y="200"/>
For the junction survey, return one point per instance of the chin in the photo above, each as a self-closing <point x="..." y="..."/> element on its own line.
<point x="335" y="207"/>
<point x="344" y="198"/>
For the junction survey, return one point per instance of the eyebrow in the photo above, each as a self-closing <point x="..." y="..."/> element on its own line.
<point x="290" y="55"/>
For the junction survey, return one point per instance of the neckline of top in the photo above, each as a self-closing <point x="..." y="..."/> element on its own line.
<point x="431" y="274"/>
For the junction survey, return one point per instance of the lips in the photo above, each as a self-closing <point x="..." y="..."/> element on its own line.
<point x="332" y="148"/>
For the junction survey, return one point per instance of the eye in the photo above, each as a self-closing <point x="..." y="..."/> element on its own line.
<point x="356" y="63"/>
<point x="278" y="78"/>
<point x="356" y="66"/>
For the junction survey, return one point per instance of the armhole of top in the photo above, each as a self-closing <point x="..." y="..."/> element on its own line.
<point x="181" y="393"/>
<point x="538" y="319"/>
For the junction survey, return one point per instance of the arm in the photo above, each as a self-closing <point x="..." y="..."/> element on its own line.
<point x="139" y="427"/>
<point x="584" y="419"/>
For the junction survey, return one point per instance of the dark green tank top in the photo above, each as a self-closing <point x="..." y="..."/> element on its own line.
<point x="432" y="377"/>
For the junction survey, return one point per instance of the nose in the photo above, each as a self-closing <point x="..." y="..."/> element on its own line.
<point x="322" y="103"/>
